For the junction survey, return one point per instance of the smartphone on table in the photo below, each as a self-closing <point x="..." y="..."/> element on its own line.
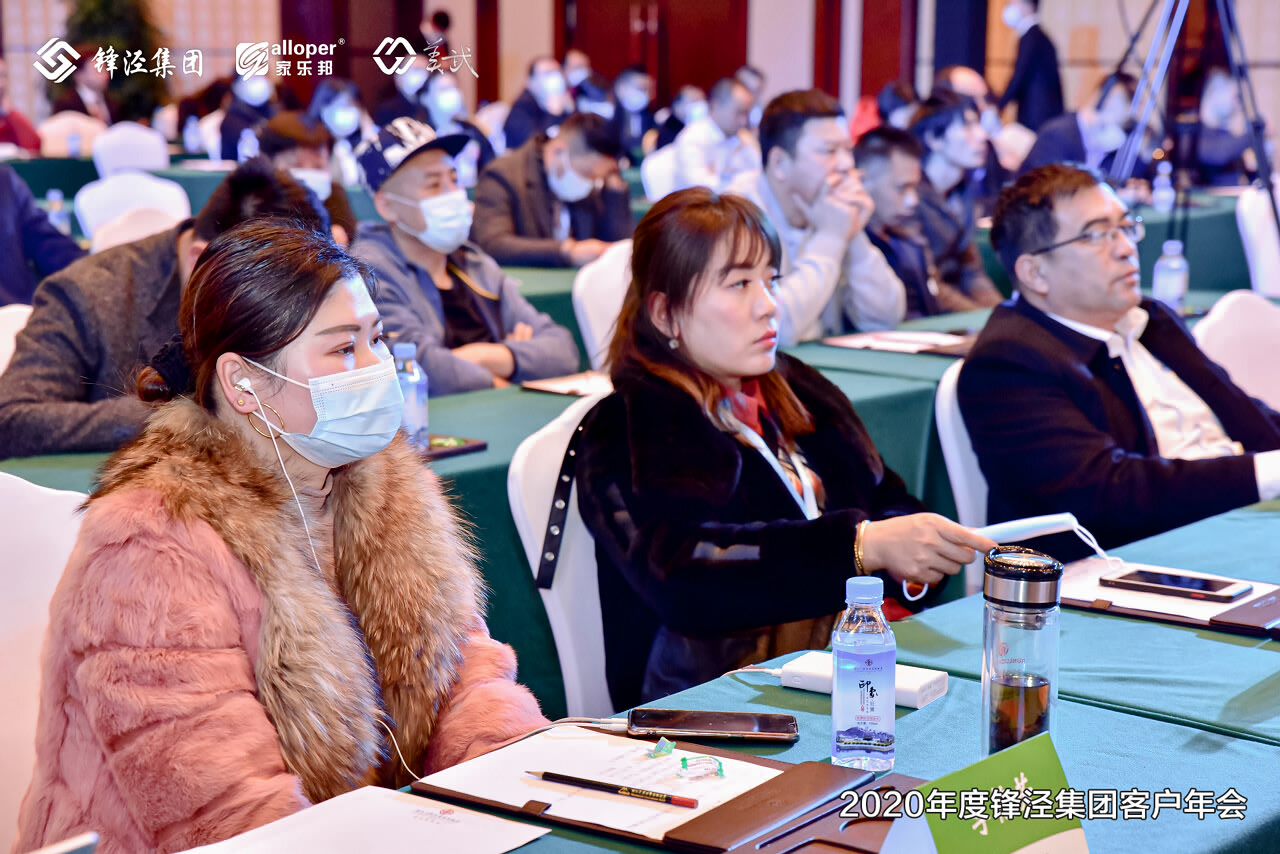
<point x="686" y="723"/>
<point x="1189" y="585"/>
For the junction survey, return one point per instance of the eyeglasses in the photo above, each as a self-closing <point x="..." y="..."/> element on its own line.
<point x="1098" y="236"/>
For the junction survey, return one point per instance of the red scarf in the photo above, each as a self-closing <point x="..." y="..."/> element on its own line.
<point x="747" y="404"/>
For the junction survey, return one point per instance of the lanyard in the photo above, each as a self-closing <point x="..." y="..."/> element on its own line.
<point x="807" y="500"/>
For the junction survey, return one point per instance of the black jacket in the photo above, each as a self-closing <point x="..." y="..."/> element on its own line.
<point x="516" y="210"/>
<point x="242" y="116"/>
<point x="1036" y="84"/>
<point x="526" y="120"/>
<point x="30" y="247"/>
<point x="701" y="547"/>
<point x="1058" y="427"/>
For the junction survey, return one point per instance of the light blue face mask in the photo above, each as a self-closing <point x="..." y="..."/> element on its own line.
<point x="357" y="414"/>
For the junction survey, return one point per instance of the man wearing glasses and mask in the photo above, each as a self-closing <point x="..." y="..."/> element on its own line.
<point x="1082" y="396"/>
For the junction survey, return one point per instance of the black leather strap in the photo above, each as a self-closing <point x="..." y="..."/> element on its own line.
<point x="551" y="540"/>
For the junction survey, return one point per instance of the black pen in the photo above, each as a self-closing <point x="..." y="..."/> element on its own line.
<point x="675" y="800"/>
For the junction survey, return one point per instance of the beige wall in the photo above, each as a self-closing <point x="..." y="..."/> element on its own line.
<point x="526" y="30"/>
<point x="780" y="43"/>
<point x="462" y="34"/>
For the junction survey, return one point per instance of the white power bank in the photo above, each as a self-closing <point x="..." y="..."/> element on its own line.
<point x="914" y="687"/>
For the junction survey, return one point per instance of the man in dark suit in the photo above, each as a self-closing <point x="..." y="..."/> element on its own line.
<point x="1036" y="84"/>
<point x="1092" y="135"/>
<point x="30" y="247"/>
<point x="632" y="119"/>
<point x="539" y="206"/>
<point x="88" y="90"/>
<point x="542" y="105"/>
<point x="1081" y="396"/>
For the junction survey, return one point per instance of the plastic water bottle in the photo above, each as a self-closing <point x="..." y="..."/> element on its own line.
<point x="1171" y="276"/>
<point x="413" y="385"/>
<point x="191" y="140"/>
<point x="1163" y="195"/>
<point x="865" y="654"/>
<point x="59" y="216"/>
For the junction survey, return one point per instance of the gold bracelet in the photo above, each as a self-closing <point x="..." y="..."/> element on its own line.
<point x="857" y="547"/>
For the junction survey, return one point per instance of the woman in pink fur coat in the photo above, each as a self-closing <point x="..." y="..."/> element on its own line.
<point x="212" y="664"/>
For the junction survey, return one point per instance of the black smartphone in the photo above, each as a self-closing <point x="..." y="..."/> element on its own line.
<point x="1205" y="587"/>
<point x="685" y="723"/>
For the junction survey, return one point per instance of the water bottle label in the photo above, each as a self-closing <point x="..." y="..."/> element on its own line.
<point x="863" y="701"/>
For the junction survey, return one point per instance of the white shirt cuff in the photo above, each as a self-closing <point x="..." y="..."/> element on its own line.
<point x="1266" y="467"/>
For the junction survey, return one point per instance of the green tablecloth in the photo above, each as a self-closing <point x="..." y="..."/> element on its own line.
<point x="1214" y="251"/>
<point x="1210" y="680"/>
<point x="200" y="184"/>
<point x="1099" y="749"/>
<point x="896" y="412"/>
<point x="68" y="174"/>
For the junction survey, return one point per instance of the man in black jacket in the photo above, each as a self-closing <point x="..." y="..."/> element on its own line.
<point x="1036" y="84"/>
<point x="1081" y="396"/>
<point x="27" y="241"/>
<point x="541" y="205"/>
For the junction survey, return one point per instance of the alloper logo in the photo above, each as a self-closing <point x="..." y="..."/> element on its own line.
<point x="254" y="58"/>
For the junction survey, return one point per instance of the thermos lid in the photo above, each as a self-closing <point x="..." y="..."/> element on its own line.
<point x="1021" y="578"/>
<point x="864" y="590"/>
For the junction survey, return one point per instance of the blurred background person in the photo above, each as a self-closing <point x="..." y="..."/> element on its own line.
<point x="251" y="105"/>
<point x="712" y="151"/>
<point x="435" y="31"/>
<point x="543" y="104"/>
<point x="30" y="247"/>
<point x="555" y="201"/>
<point x="15" y="128"/>
<point x="1223" y="153"/>
<point x="405" y="101"/>
<point x="337" y="105"/>
<point x="753" y="79"/>
<point x="577" y="69"/>
<point x="302" y="149"/>
<point x="632" y="118"/>
<point x="896" y="102"/>
<point x="1036" y="84"/>
<point x="446" y="114"/>
<point x="88" y="90"/>
<point x="690" y="105"/>
<point x="950" y="131"/>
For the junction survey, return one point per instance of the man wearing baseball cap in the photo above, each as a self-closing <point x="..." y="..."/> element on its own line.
<point x="471" y="326"/>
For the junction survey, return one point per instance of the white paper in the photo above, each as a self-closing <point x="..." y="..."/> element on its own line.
<point x="502" y="776"/>
<point x="374" y="819"/>
<point x="583" y="384"/>
<point x="895" y="341"/>
<point x="1080" y="582"/>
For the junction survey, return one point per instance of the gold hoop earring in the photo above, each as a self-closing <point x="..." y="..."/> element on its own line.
<point x="254" y="424"/>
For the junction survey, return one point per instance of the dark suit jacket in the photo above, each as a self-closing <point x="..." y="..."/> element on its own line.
<point x="700" y="547"/>
<point x="950" y="238"/>
<point x="1058" y="427"/>
<point x="27" y="241"/>
<point x="239" y="118"/>
<point x="668" y="131"/>
<point x="396" y="107"/>
<point x="631" y="133"/>
<point x="515" y="211"/>
<point x="1060" y="141"/>
<point x="71" y="100"/>
<point x="1035" y="84"/>
<point x="526" y="120"/>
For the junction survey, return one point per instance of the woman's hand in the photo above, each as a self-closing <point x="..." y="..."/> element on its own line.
<point x="922" y="547"/>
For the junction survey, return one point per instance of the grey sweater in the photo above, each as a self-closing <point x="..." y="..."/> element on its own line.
<point x="93" y="326"/>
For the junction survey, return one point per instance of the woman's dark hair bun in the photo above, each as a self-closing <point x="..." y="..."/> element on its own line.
<point x="167" y="376"/>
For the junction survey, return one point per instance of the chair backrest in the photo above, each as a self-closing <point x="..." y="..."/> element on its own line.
<point x="1242" y="334"/>
<point x="56" y="130"/>
<point x="598" y="290"/>
<point x="130" y="226"/>
<point x="128" y="146"/>
<point x="573" y="600"/>
<point x="658" y="172"/>
<point x="967" y="482"/>
<point x="211" y="133"/>
<point x="1261" y="241"/>
<point x="12" y="319"/>
<point x="40" y="528"/>
<point x="106" y="199"/>
<point x="85" y="843"/>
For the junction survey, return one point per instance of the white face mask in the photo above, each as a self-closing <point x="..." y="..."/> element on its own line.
<point x="570" y="186"/>
<point x="991" y="122"/>
<point x="1106" y="137"/>
<point x="447" y="218"/>
<point x="604" y="109"/>
<point x="317" y="181"/>
<point x="254" y="91"/>
<point x="548" y="85"/>
<point x="575" y="76"/>
<point x="445" y="103"/>
<point x="341" y="119"/>
<point x="633" y="100"/>
<point x="694" y="111"/>
<point x="411" y="81"/>
<point x="1011" y="16"/>
<point x="357" y="414"/>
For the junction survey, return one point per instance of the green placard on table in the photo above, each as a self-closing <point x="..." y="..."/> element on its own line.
<point x="1017" y="800"/>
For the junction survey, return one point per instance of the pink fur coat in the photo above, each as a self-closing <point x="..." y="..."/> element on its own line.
<point x="201" y="678"/>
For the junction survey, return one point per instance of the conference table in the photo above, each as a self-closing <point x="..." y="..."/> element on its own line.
<point x="897" y="413"/>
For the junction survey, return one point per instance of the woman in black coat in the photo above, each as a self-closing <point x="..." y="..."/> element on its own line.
<point x="731" y="491"/>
